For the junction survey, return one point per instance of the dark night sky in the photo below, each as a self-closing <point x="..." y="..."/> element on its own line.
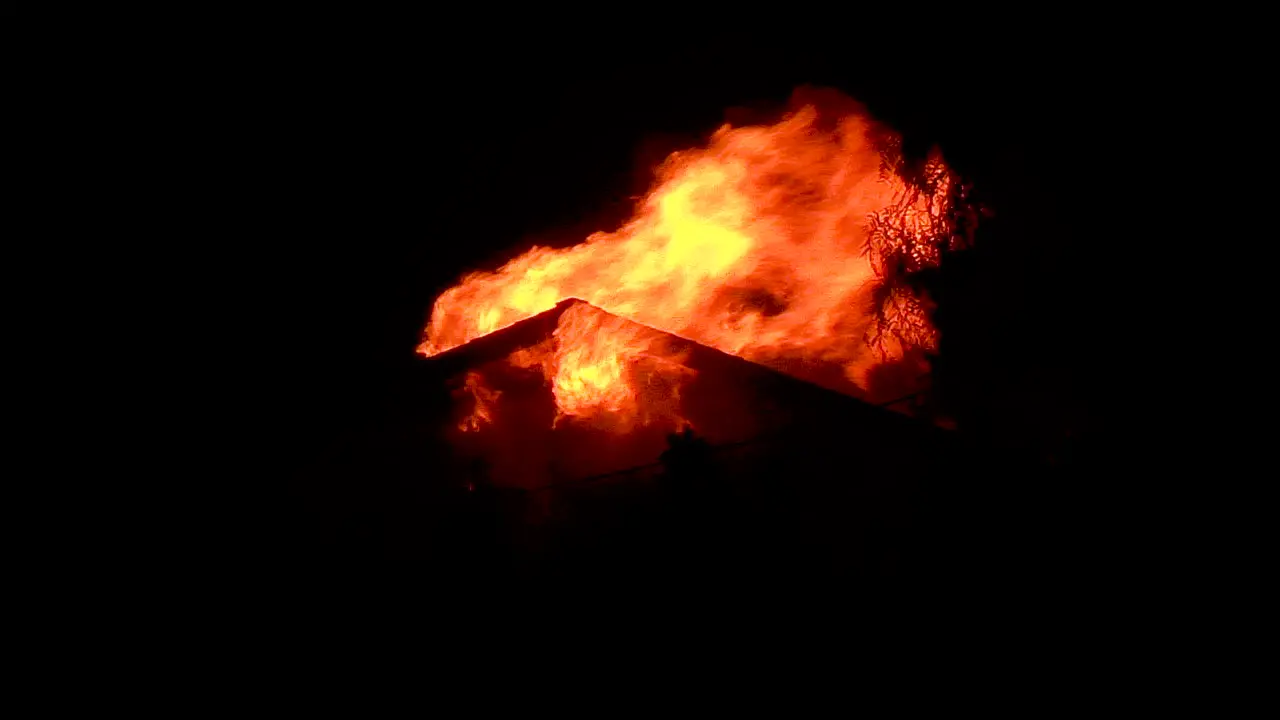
<point x="363" y="168"/>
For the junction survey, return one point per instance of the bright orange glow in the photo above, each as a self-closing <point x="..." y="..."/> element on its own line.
<point x="773" y="243"/>
<point x="483" y="400"/>
<point x="608" y="370"/>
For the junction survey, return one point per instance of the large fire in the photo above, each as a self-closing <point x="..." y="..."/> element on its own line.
<point x="782" y="244"/>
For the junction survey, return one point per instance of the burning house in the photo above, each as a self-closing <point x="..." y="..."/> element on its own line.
<point x="701" y="387"/>
<point x="792" y="246"/>
<point x="575" y="392"/>
<point x="737" y="333"/>
<point x="754" y="455"/>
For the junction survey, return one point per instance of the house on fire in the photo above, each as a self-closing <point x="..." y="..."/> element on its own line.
<point x="504" y="412"/>
<point x="489" y="472"/>
<point x="776" y="467"/>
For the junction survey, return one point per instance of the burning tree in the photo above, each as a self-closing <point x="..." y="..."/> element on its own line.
<point x="931" y="216"/>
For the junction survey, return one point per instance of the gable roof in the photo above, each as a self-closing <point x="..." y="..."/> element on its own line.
<point x="829" y="404"/>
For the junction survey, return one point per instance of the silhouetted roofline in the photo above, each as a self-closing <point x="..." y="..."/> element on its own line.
<point x="532" y="330"/>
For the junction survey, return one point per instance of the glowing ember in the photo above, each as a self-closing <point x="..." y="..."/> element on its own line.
<point x="775" y="243"/>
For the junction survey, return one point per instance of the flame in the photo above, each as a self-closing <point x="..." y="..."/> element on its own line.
<point x="600" y="367"/>
<point x="483" y="400"/>
<point x="774" y="243"/>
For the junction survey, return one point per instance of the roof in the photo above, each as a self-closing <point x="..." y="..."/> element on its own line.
<point x="728" y="400"/>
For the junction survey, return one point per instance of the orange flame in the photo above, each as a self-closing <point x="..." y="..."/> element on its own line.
<point x="773" y="243"/>
<point x="600" y="368"/>
<point x="483" y="401"/>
